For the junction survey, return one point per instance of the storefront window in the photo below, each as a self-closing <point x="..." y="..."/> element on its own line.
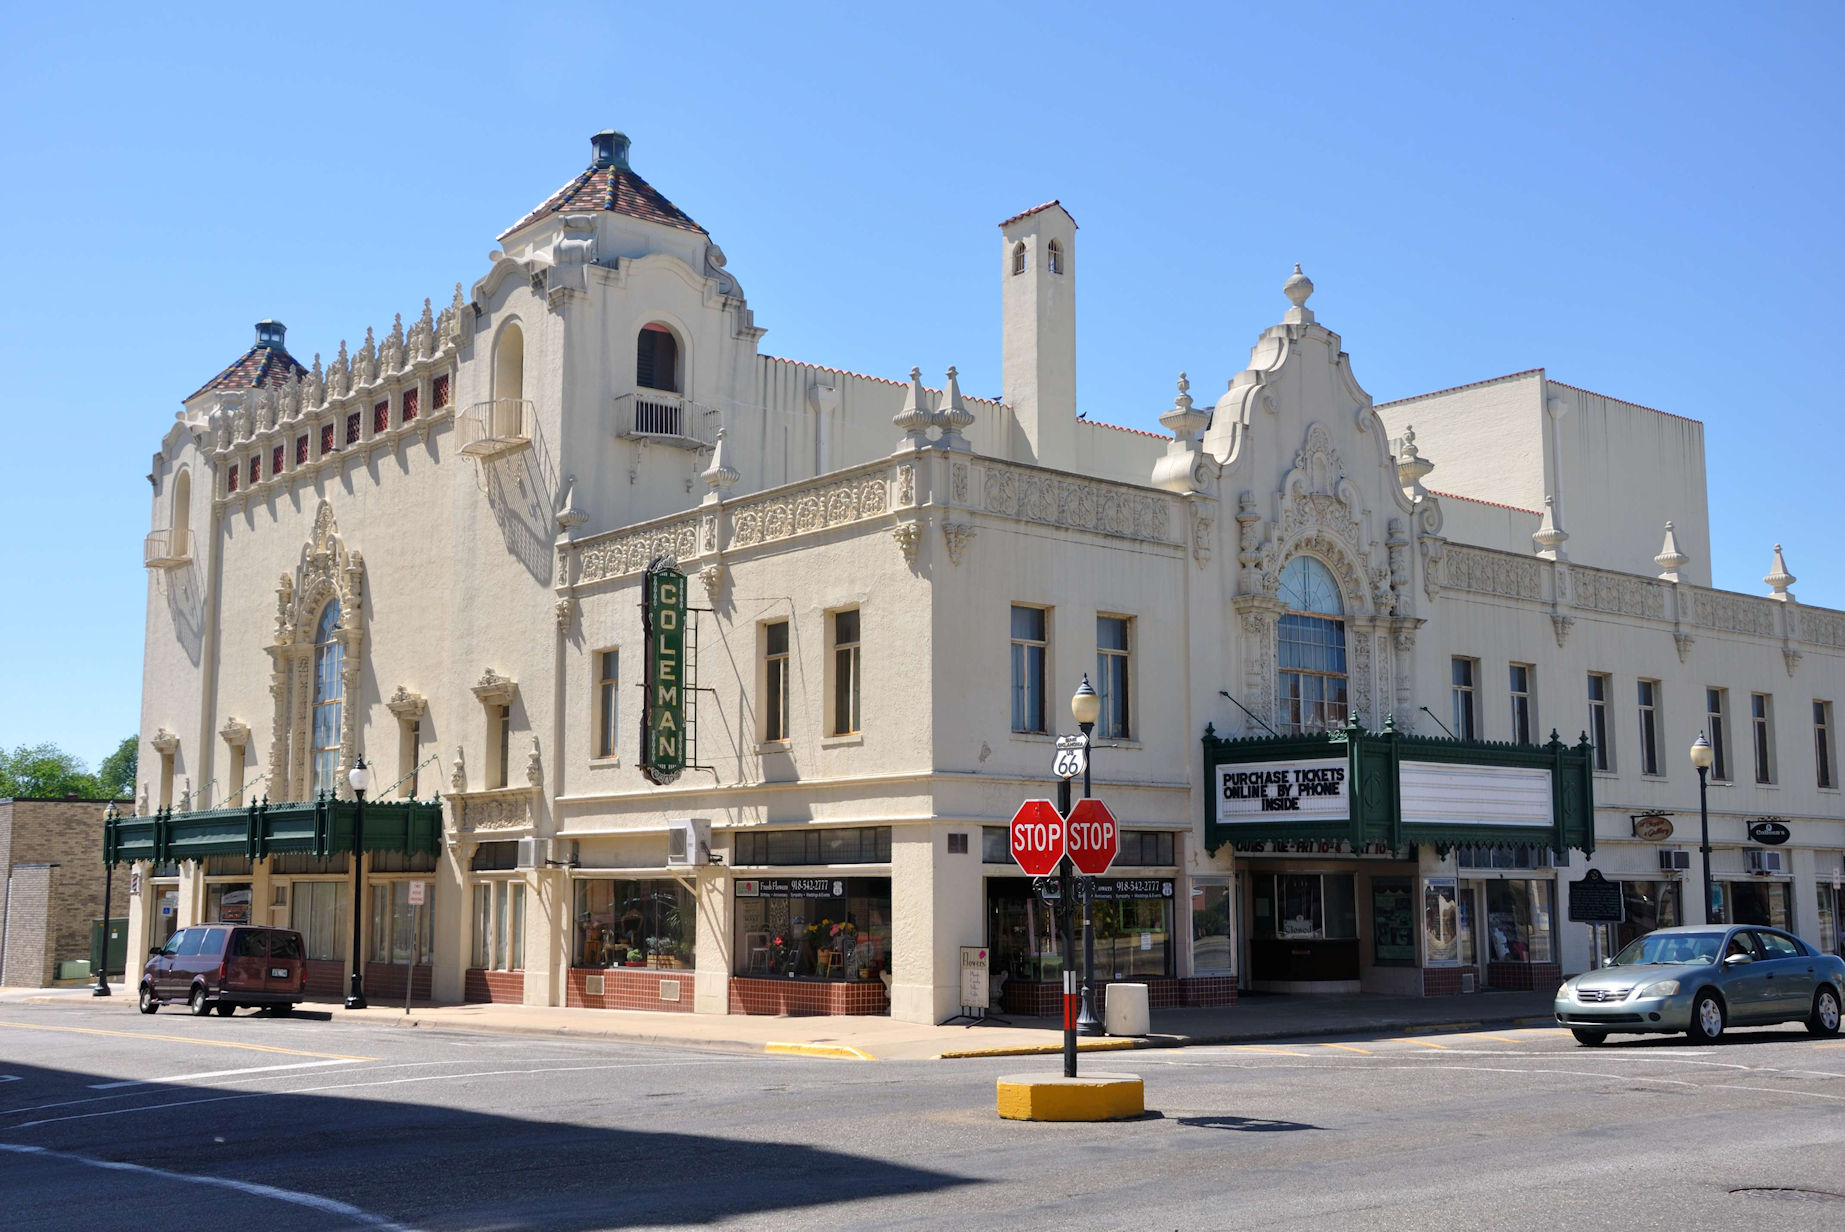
<point x="1304" y="906"/>
<point x="1132" y="923"/>
<point x="398" y="928"/>
<point x="228" y="902"/>
<point x="622" y="923"/>
<point x="1650" y="905"/>
<point x="1518" y="921"/>
<point x="1393" y="922"/>
<point x="498" y="912"/>
<point x="1755" y="902"/>
<point x="1213" y="947"/>
<point x="1440" y="923"/>
<point x="1131" y="918"/>
<point x="1828" y="919"/>
<point x="830" y="928"/>
<point x="319" y="914"/>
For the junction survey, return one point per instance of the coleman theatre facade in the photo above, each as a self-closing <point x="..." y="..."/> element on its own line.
<point x="697" y="679"/>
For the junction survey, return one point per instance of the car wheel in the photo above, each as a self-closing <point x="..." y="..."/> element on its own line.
<point x="226" y="1009"/>
<point x="1825" y="1017"/>
<point x="1588" y="1038"/>
<point x="197" y="1002"/>
<point x="1707" y="1019"/>
<point x="149" y="1002"/>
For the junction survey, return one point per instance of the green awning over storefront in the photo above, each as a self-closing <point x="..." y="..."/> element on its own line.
<point x="317" y="827"/>
<point x="1386" y="788"/>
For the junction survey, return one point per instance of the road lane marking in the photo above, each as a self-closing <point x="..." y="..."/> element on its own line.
<point x="1496" y="1038"/>
<point x="185" y="1039"/>
<point x="1425" y="1043"/>
<point x="1279" y="1052"/>
<point x="327" y="1206"/>
<point x="216" y="1073"/>
<point x="1349" y="1048"/>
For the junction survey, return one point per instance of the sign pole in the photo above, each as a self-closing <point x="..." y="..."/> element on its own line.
<point x="1066" y="874"/>
<point x="1086" y="1021"/>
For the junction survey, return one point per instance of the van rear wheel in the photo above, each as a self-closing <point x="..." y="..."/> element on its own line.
<point x="197" y="1002"/>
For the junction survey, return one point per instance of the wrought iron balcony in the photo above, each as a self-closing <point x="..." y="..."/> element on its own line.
<point x="495" y="427"/>
<point x="659" y="417"/>
<point x="168" y="549"/>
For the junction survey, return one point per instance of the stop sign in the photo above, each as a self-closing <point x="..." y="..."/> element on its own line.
<point x="1037" y="837"/>
<point x="1094" y="838"/>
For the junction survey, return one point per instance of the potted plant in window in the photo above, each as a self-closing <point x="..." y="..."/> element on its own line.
<point x="635" y="959"/>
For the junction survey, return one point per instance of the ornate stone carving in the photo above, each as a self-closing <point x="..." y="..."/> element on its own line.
<point x="1618" y="593"/>
<point x="494" y="689"/>
<point x="957" y="482"/>
<point x="1361" y="676"/>
<point x="958" y="535"/>
<point x="1249" y="544"/>
<point x="1560" y="625"/>
<point x="1791" y="657"/>
<point x="909" y="538"/>
<point x="1396" y="548"/>
<point x="235" y="734"/>
<point x="165" y="743"/>
<point x="601" y="559"/>
<point x="1733" y="613"/>
<point x="534" y="767"/>
<point x="393" y="351"/>
<point x="1684" y="642"/>
<point x="1108" y="509"/>
<point x="328" y="572"/>
<point x="906" y="485"/>
<point x="458" y="775"/>
<point x="563" y="609"/>
<point x="1485" y="572"/>
<point x="1822" y="628"/>
<point x="836" y="504"/>
<point x="505" y="808"/>
<point x="712" y="576"/>
<point x="407" y="706"/>
<point x="1202" y="518"/>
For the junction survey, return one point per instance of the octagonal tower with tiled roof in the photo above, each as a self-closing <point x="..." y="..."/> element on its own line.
<point x="265" y="364"/>
<point x="609" y="184"/>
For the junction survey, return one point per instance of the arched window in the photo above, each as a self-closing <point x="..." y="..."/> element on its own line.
<point x="1311" y="650"/>
<point x="1018" y="257"/>
<point x="1056" y="258"/>
<point x="656" y="359"/>
<point x="509" y="363"/>
<point x="329" y="699"/>
<point x="181" y="521"/>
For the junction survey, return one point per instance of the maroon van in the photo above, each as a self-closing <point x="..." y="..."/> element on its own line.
<point x="223" y="966"/>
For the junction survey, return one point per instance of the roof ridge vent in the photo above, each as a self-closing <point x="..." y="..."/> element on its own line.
<point x="610" y="149"/>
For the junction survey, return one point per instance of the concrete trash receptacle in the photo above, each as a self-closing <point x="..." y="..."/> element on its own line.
<point x="1125" y="1010"/>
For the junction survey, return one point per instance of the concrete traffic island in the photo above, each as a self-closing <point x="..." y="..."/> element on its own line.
<point x="1088" y="1097"/>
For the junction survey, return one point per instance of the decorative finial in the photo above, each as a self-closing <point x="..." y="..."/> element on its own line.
<point x="1182" y="420"/>
<point x="720" y="476"/>
<point x="1549" y="536"/>
<point x="1779" y="579"/>
<point x="915" y="417"/>
<point x="1412" y="467"/>
<point x="953" y="415"/>
<point x="1297" y="288"/>
<point x="569" y="517"/>
<point x="1670" y="560"/>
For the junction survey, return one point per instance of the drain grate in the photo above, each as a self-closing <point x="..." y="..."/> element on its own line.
<point x="1784" y="1193"/>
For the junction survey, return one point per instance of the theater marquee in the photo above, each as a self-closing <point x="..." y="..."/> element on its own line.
<point x="1299" y="790"/>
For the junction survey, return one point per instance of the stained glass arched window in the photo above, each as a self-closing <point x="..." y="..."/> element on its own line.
<point x="1311" y="648"/>
<point x="329" y="699"/>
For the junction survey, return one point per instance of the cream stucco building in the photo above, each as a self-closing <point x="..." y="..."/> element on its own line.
<point x="433" y="552"/>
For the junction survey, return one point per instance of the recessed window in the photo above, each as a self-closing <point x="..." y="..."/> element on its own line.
<point x="1111" y="676"/>
<point x="1519" y="681"/>
<point x="1647" y="697"/>
<point x="1762" y="718"/>
<point x="1018" y="257"/>
<point x="1054" y="257"/>
<point x="845" y="673"/>
<point x="329" y="700"/>
<point x="499" y="925"/>
<point x="301" y="449"/>
<point x="230" y="477"/>
<point x="409" y="405"/>
<point x="957" y="844"/>
<point x="608" y="676"/>
<point x="775" y="710"/>
<point x="502" y="739"/>
<point x="275" y="461"/>
<point x="656" y="359"/>
<point x="256" y="469"/>
<point x="381" y="417"/>
<point x="1825" y="756"/>
<point x="326" y="439"/>
<point x="1028" y="650"/>
<point x="1462" y="674"/>
<point x="352" y="428"/>
<point x="1600" y="735"/>
<point x="438" y="392"/>
<point x="1717" y="725"/>
<point x="1310" y="647"/>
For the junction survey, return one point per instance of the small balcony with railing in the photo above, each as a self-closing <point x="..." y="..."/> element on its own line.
<point x="168" y="549"/>
<point x="657" y="416"/>
<point x="497" y="426"/>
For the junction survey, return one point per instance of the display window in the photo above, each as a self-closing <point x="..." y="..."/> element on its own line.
<point x="499" y="925"/>
<point x="227" y="902"/>
<point x="401" y="934"/>
<point x="1303" y="906"/>
<point x="827" y="928"/>
<point x="1440" y="922"/>
<point x="1520" y="921"/>
<point x="166" y="912"/>
<point x="1650" y="905"/>
<point x="634" y="923"/>
<point x="1213" y="941"/>
<point x="1830" y="899"/>
<point x="1131" y="918"/>
<point x="1753" y="902"/>
<point x="320" y="913"/>
<point x="1393" y="922"/>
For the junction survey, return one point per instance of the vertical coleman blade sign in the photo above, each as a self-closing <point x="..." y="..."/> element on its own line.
<point x="663" y="734"/>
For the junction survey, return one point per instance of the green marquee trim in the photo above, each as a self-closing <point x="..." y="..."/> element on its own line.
<point x="320" y="827"/>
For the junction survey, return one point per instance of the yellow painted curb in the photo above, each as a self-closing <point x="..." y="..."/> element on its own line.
<point x="1090" y="1097"/>
<point x="1038" y="1050"/>
<point x="1433" y="1027"/>
<point x="844" y="1052"/>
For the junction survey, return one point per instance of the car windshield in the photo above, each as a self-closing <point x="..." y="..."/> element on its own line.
<point x="1671" y="949"/>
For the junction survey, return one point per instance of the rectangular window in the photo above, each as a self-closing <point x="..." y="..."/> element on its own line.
<point x="275" y="461"/>
<point x="1145" y="849"/>
<point x="231" y="478"/>
<point x="843" y="845"/>
<point x="502" y="739"/>
<point x="499" y="925"/>
<point x="381" y="417"/>
<point x="635" y="923"/>
<point x="845" y="673"/>
<point x="775" y="681"/>
<point x="256" y="469"/>
<point x="996" y="845"/>
<point x="1520" y="682"/>
<point x="301" y="449"/>
<point x="326" y="439"/>
<point x="608" y="676"/>
<point x="1462" y="674"/>
<point x="438" y="392"/>
<point x="1647" y="695"/>
<point x="483" y="925"/>
<point x="1111" y="676"/>
<point x="1717" y="724"/>
<point x="320" y="914"/>
<point x="1824" y="755"/>
<point x="352" y="428"/>
<point x="1028" y="651"/>
<point x="1762" y="717"/>
<point x="398" y="929"/>
<point x="409" y="406"/>
<point x="1519" y="924"/>
<point x="1598" y="721"/>
<point x="1213" y="943"/>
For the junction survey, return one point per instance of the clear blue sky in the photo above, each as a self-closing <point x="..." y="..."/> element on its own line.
<point x="1645" y="199"/>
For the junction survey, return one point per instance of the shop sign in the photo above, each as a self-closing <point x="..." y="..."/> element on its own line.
<point x="790" y="887"/>
<point x="663" y="731"/>
<point x="134" y="885"/>
<point x="1304" y="790"/>
<point x="1596" y="900"/>
<point x="1130" y="887"/>
<point x="1768" y="830"/>
<point x="1440" y="793"/>
<point x="1653" y="828"/>
<point x="974" y="991"/>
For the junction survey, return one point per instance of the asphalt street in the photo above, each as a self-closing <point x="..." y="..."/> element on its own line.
<point x="110" y="1119"/>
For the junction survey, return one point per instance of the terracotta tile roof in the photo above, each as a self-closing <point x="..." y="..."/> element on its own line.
<point x="260" y="367"/>
<point x="1038" y="209"/>
<point x="1478" y="501"/>
<point x="1158" y="436"/>
<point x="617" y="190"/>
<point x="866" y="376"/>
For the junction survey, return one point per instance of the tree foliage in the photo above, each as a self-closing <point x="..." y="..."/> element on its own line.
<point x="116" y="775"/>
<point x="47" y="772"/>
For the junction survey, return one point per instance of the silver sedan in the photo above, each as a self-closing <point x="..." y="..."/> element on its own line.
<point x="1702" y="980"/>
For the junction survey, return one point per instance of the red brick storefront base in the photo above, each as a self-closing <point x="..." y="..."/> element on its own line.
<point x="495" y="987"/>
<point x="1037" y="999"/>
<point x="325" y="977"/>
<point x="630" y="988"/>
<point x="1534" y="976"/>
<point x="385" y="982"/>
<point x="808" y="997"/>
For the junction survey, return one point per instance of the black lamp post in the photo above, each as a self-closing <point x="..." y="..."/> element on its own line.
<point x="361" y="779"/>
<point x="102" y="964"/>
<point x="1086" y="706"/>
<point x="1702" y="755"/>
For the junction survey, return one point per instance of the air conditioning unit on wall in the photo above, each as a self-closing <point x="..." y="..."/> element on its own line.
<point x="1674" y="860"/>
<point x="533" y="852"/>
<point x="688" y="842"/>
<point x="1764" y="861"/>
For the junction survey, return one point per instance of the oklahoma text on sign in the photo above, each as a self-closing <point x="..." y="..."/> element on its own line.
<point x="1305" y="790"/>
<point x="663" y="744"/>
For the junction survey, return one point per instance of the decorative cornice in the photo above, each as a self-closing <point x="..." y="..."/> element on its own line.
<point x="407" y="705"/>
<point x="494" y="689"/>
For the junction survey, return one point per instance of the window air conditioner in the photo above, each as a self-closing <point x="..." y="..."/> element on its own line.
<point x="1674" y="860"/>
<point x="688" y="842"/>
<point x="533" y="852"/>
<point x="1764" y="861"/>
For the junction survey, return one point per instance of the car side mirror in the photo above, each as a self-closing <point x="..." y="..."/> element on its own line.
<point x="1608" y="961"/>
<point x="153" y="951"/>
<point x="1736" y="960"/>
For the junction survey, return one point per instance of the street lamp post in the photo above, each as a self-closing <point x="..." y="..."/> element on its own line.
<point x="102" y="965"/>
<point x="361" y="780"/>
<point x="1702" y="756"/>
<point x="1086" y="707"/>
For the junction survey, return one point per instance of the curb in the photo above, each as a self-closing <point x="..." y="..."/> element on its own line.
<point x="844" y="1052"/>
<point x="1045" y="1050"/>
